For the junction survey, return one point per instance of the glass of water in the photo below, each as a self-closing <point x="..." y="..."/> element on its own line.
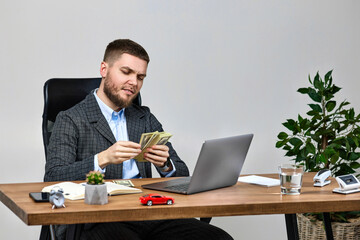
<point x="291" y="178"/>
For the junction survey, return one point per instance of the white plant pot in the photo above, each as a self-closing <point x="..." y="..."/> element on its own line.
<point x="96" y="194"/>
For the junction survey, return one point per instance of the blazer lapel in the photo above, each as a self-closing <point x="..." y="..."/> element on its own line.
<point x="96" y="117"/>
<point x="134" y="123"/>
<point x="100" y="124"/>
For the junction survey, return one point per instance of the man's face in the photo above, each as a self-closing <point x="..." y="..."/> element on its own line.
<point x="123" y="79"/>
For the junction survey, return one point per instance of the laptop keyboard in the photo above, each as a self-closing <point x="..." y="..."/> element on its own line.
<point x="180" y="187"/>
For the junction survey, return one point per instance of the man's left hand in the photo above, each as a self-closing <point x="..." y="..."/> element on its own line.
<point x="157" y="154"/>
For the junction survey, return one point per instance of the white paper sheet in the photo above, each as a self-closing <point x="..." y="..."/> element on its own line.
<point x="259" y="180"/>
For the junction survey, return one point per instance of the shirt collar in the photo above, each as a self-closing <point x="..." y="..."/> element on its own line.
<point x="109" y="114"/>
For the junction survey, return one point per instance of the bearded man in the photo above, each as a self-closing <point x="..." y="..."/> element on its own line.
<point x="102" y="133"/>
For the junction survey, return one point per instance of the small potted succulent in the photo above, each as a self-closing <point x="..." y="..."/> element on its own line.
<point x="329" y="138"/>
<point x="95" y="189"/>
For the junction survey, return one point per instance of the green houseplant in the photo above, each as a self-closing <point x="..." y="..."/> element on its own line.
<point x="328" y="138"/>
<point x="95" y="189"/>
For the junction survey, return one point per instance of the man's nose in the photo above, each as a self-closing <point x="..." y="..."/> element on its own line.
<point x="133" y="79"/>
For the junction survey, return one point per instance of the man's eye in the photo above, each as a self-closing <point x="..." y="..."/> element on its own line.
<point x="140" y="78"/>
<point x="125" y="72"/>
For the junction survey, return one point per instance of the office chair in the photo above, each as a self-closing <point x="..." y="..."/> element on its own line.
<point x="61" y="94"/>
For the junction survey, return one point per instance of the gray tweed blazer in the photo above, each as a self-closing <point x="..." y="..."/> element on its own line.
<point x="82" y="131"/>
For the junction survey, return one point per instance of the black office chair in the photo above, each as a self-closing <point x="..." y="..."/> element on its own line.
<point x="61" y="94"/>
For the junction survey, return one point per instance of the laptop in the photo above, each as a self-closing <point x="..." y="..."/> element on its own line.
<point x="219" y="164"/>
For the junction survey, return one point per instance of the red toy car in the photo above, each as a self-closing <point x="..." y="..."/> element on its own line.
<point x="151" y="199"/>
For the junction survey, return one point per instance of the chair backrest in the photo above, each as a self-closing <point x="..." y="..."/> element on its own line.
<point x="61" y="94"/>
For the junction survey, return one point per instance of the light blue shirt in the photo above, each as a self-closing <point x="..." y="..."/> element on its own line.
<point x="117" y="124"/>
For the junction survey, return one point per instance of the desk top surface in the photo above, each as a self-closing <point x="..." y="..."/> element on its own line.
<point x="240" y="199"/>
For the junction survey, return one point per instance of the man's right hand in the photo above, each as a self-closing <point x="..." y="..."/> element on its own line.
<point x="118" y="153"/>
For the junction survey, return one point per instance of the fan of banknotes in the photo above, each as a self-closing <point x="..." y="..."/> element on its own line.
<point x="150" y="139"/>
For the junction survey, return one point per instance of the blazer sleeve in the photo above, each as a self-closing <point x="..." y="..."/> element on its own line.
<point x="61" y="164"/>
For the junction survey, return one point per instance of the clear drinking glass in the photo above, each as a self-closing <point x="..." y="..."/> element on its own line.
<point x="291" y="178"/>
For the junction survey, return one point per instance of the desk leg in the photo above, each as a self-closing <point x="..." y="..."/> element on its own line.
<point x="291" y="227"/>
<point x="328" y="228"/>
<point x="52" y="232"/>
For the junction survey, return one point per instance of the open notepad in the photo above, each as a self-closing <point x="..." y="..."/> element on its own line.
<point x="76" y="191"/>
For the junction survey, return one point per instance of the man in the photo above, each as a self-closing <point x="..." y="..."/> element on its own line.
<point x="102" y="133"/>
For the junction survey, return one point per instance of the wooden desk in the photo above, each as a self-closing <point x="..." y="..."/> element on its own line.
<point x="241" y="199"/>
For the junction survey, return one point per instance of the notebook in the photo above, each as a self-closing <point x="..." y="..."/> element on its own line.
<point x="219" y="164"/>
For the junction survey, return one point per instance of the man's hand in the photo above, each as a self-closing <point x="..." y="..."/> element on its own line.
<point x="157" y="155"/>
<point x="118" y="153"/>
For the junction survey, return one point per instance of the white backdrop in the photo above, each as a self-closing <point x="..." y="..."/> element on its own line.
<point x="218" y="68"/>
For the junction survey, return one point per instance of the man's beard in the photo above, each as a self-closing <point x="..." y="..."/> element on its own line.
<point x="111" y="91"/>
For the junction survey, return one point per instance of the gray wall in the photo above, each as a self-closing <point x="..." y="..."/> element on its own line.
<point x="218" y="68"/>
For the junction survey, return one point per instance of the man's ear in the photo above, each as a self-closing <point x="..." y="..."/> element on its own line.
<point x="103" y="69"/>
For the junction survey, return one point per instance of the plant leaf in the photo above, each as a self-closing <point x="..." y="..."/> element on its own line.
<point x="312" y="113"/>
<point x="330" y="105"/>
<point x="334" y="89"/>
<point x="344" y="103"/>
<point x="334" y="158"/>
<point x="317" y="83"/>
<point x="282" y="143"/>
<point x="328" y="95"/>
<point x="314" y="96"/>
<point x="290" y="153"/>
<point x="300" y="119"/>
<point x="303" y="90"/>
<point x="354" y="156"/>
<point x="282" y="135"/>
<point x="305" y="124"/>
<point x="345" y="169"/>
<point x="351" y="114"/>
<point x="328" y="76"/>
<point x="356" y="141"/>
<point x="355" y="165"/>
<point x="287" y="147"/>
<point x="335" y="124"/>
<point x="320" y="159"/>
<point x="295" y="142"/>
<point x="315" y="107"/>
<point x="290" y="124"/>
<point x="329" y="151"/>
<point x="310" y="148"/>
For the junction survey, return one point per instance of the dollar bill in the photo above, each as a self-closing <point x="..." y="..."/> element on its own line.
<point x="150" y="139"/>
<point x="146" y="138"/>
<point x="164" y="139"/>
<point x="124" y="182"/>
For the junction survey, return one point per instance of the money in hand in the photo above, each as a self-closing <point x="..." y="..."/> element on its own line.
<point x="150" y="139"/>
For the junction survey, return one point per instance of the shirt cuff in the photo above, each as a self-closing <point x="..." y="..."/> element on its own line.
<point x="96" y="165"/>
<point x="171" y="173"/>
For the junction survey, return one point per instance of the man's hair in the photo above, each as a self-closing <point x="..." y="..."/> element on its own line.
<point x="116" y="48"/>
